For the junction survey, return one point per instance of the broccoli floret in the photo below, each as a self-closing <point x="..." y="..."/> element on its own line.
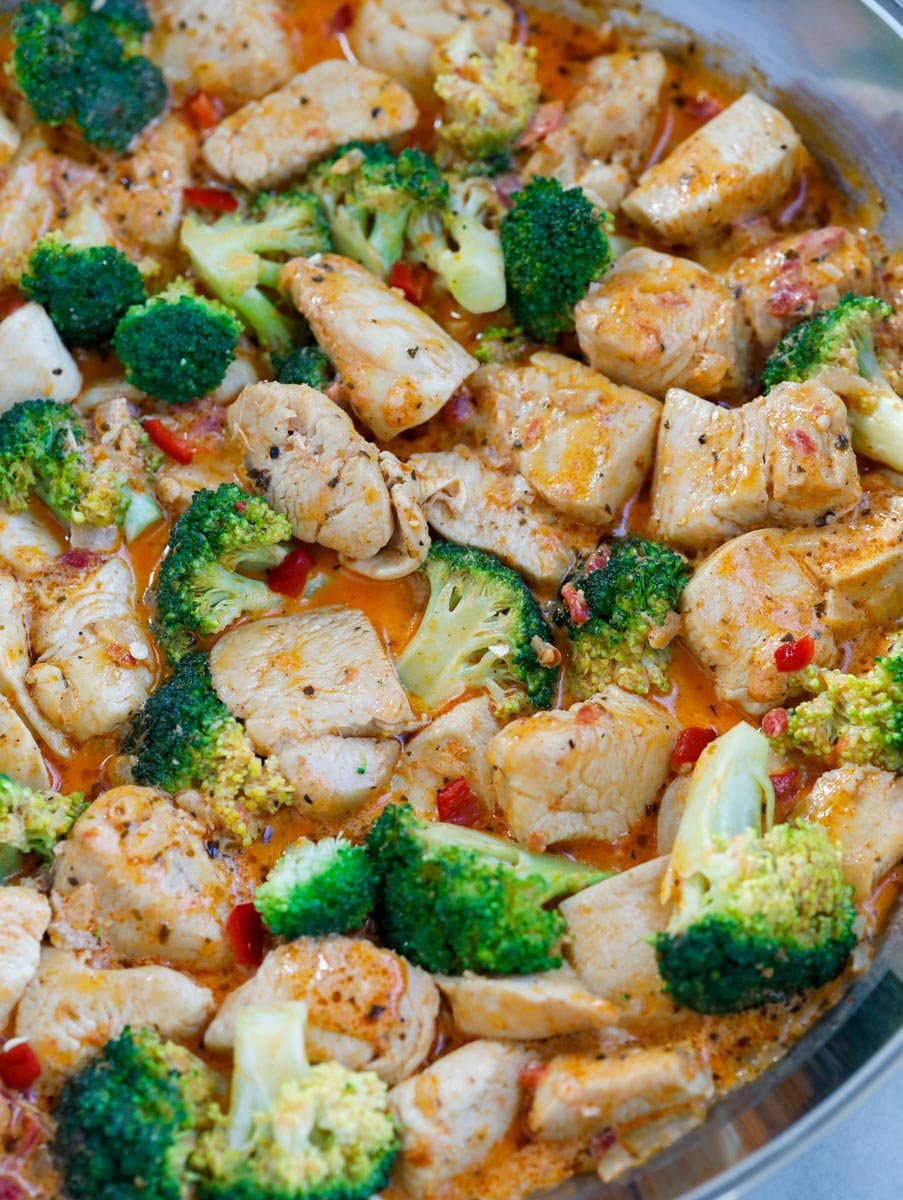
<point x="239" y="258"/>
<point x="177" y="346"/>
<point x="501" y="344"/>
<point x="852" y="718"/>
<point x="762" y="912"/>
<point x="482" y="628"/>
<point x="453" y="899"/>
<point x="488" y="101"/>
<point x="619" y="612"/>
<point x="304" y="364"/>
<point x="79" y="70"/>
<point x="199" y="591"/>
<point x="85" y="289"/>
<point x="295" y="1131"/>
<point x="555" y="244"/>
<point x="838" y="347"/>
<point x="128" y="1121"/>
<point x="370" y="195"/>
<point x="130" y="18"/>
<point x="185" y="737"/>
<point x="461" y="243"/>
<point x="33" y="822"/>
<point x="317" y="887"/>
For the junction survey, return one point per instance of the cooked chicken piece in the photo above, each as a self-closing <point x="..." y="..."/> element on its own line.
<point x="742" y="602"/>
<point x="151" y="888"/>
<point x="398" y="367"/>
<point x="579" y="1096"/>
<point x="560" y="156"/>
<point x="235" y="49"/>
<point x="14" y="663"/>
<point x="656" y="321"/>
<point x="453" y="746"/>
<point x="176" y="483"/>
<point x="307" y="458"/>
<point x="24" y="917"/>
<point x="585" y="772"/>
<point x="366" y="1007"/>
<point x="524" y="1007"/>
<point x="738" y="164"/>
<point x="69" y="1010"/>
<point x="454" y="1112"/>
<point x="34" y="363"/>
<point x="608" y="927"/>
<point x="399" y="36"/>
<point x="468" y="501"/>
<point x="27" y="545"/>
<point x="784" y="459"/>
<point x="796" y="276"/>
<point x="862" y="809"/>
<point x="95" y="663"/>
<point x="145" y="199"/>
<point x="20" y="755"/>
<point x="615" y="111"/>
<point x="407" y="548"/>
<point x="334" y="774"/>
<point x="581" y="442"/>
<point x="670" y="811"/>
<point x="268" y="141"/>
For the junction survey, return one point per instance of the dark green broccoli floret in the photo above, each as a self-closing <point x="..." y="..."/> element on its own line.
<point x="453" y="899"/>
<point x="32" y="822"/>
<point x="317" y="887"/>
<point x="85" y="289"/>
<point x="304" y="364"/>
<point x="128" y="1121"/>
<point x="501" y="344"/>
<point x="370" y="195"/>
<point x="619" y="612"/>
<point x="185" y="737"/>
<point x="555" y="244"/>
<point x="295" y="1132"/>
<point x="239" y="258"/>
<point x="79" y="70"/>
<point x="482" y="628"/>
<point x="838" y="347"/>
<point x="759" y="916"/>
<point x="177" y="345"/>
<point x="199" y="590"/>
<point x="130" y="18"/>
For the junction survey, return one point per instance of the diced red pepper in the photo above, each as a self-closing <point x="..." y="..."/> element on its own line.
<point x="798" y="439"/>
<point x="459" y="407"/>
<point x="19" y="1065"/>
<point x="793" y="656"/>
<point x="690" y="744"/>
<point x="10" y="1190"/>
<point x="217" y="199"/>
<point x="410" y="280"/>
<point x="171" y="443"/>
<point x="79" y="559"/>
<point x="530" y="1075"/>
<point x="204" y="111"/>
<point x="244" y="930"/>
<point x="289" y="577"/>
<point x="458" y="805"/>
<point x="774" y="723"/>
<point x="786" y="784"/>
<point x="340" y="21"/>
<point x="704" y="107"/>
<point x="575" y="602"/>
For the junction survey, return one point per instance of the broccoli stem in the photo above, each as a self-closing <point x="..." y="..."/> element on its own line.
<point x="269" y="1053"/>
<point x="877" y="426"/>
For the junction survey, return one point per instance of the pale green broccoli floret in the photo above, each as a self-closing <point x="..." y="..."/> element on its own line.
<point x="317" y="887"/>
<point x="32" y="822"/>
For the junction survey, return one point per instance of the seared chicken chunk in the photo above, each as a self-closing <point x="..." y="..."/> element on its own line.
<point x="268" y="141"/>
<point x="27" y="545"/>
<point x="34" y="363"/>
<point x="409" y="544"/>
<point x="656" y="321"/>
<point x="525" y="1007"/>
<point x="24" y="917"/>
<point x="738" y="164"/>
<point x="366" y="1007"/>
<point x="453" y="746"/>
<point x="14" y="665"/>
<point x="581" y="442"/>
<point x="20" y="755"/>
<point x="140" y="868"/>
<point x="585" y="772"/>
<point x="397" y="366"/>
<point x="145" y="198"/>
<point x="453" y="1113"/>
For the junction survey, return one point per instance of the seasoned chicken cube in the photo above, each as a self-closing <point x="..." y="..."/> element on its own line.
<point x="454" y="1112"/>
<point x="176" y="483"/>
<point x="796" y="276"/>
<point x="525" y="1007"/>
<point x="560" y="156"/>
<point x="453" y="746"/>
<point x="20" y="755"/>
<point x="470" y="502"/>
<point x="740" y="163"/>
<point x="586" y="772"/>
<point x="14" y="664"/>
<point x="397" y="366"/>
<point x="656" y="321"/>
<point x="95" y="659"/>
<point x="140" y="869"/>
<point x="399" y="36"/>
<point x="69" y="1010"/>
<point x="334" y="774"/>
<point x="307" y="458"/>
<point x="581" y="442"/>
<point x="784" y="459"/>
<point x="34" y="363"/>
<point x="615" y="111"/>
<point x="24" y="917"/>
<point x="366" y="1007"/>
<point x="145" y="196"/>
<point x="409" y="544"/>
<point x="237" y="50"/>
<point x="268" y="141"/>
<point x="27" y="545"/>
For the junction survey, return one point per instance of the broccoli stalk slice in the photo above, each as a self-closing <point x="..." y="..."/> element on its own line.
<point x="316" y="888"/>
<point x="269" y="1053"/>
<point x="35" y="821"/>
